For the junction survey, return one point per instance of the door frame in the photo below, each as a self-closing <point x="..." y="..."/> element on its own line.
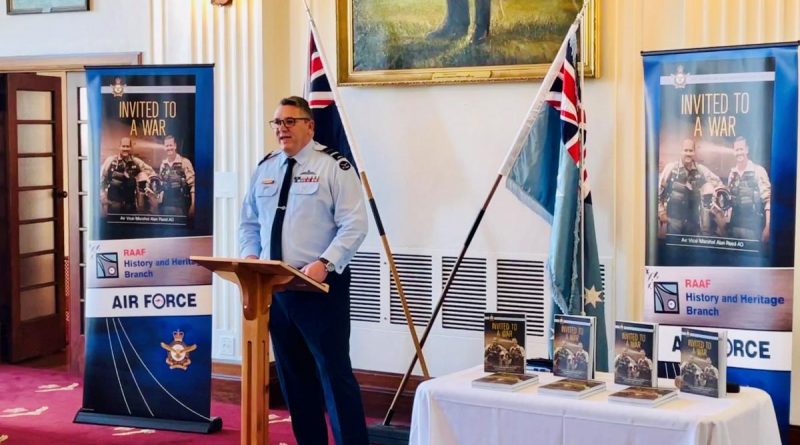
<point x="72" y="290"/>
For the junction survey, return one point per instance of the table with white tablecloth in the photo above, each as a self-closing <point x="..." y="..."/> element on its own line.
<point x="449" y="411"/>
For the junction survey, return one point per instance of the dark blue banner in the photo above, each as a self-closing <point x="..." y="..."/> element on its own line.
<point x="148" y="307"/>
<point x="721" y="143"/>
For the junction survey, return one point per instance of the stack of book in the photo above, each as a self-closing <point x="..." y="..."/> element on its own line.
<point x="504" y="353"/>
<point x="573" y="388"/>
<point x="636" y="349"/>
<point x="505" y="382"/>
<point x="574" y="343"/>
<point x="644" y="396"/>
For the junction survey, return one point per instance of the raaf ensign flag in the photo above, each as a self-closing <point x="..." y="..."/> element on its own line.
<point x="543" y="171"/>
<point x="329" y="130"/>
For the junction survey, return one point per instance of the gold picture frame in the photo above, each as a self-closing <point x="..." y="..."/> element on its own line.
<point x="15" y="7"/>
<point x="412" y="41"/>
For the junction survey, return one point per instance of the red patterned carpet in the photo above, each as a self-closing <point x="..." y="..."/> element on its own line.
<point x="37" y="407"/>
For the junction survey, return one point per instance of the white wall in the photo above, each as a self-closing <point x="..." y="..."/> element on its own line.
<point x="432" y="154"/>
<point x="431" y="151"/>
<point x="112" y="26"/>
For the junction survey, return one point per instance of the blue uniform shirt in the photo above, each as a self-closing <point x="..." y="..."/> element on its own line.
<point x="325" y="213"/>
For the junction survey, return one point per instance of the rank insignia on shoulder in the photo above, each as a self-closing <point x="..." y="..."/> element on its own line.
<point x="178" y="351"/>
<point x="344" y="165"/>
<point x="269" y="155"/>
<point x="268" y="181"/>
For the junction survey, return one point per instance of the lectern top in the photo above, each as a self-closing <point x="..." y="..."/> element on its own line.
<point x="301" y="281"/>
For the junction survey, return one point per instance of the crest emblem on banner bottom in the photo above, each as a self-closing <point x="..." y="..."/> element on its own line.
<point x="178" y="351"/>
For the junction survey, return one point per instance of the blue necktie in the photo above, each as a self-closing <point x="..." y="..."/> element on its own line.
<point x="276" y="244"/>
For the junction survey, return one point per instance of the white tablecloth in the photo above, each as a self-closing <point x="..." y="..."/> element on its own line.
<point x="447" y="410"/>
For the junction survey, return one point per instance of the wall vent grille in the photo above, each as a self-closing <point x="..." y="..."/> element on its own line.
<point x="416" y="274"/>
<point x="521" y="289"/>
<point x="365" y="287"/>
<point x="465" y="303"/>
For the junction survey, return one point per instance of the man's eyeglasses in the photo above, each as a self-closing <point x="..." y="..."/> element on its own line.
<point x="289" y="122"/>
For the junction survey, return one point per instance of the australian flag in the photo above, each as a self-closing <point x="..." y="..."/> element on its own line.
<point x="543" y="169"/>
<point x="329" y="130"/>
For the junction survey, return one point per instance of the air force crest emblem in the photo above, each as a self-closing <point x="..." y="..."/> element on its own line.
<point x="178" y="351"/>
<point x="680" y="78"/>
<point x="118" y="88"/>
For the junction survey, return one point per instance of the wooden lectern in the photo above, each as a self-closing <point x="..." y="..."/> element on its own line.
<point x="257" y="280"/>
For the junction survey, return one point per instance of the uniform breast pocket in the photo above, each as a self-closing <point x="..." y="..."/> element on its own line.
<point x="265" y="195"/>
<point x="266" y="190"/>
<point x="305" y="188"/>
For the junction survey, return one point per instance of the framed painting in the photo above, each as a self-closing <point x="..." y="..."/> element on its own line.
<point x="45" y="6"/>
<point x="448" y="41"/>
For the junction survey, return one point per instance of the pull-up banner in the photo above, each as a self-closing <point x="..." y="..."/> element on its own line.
<point x="148" y="307"/>
<point x="721" y="178"/>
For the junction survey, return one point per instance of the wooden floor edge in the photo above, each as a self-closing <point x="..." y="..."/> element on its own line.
<point x="377" y="389"/>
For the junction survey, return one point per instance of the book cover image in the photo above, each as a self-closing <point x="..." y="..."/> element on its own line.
<point x="572" y="343"/>
<point x="634" y="349"/>
<point x="703" y="359"/>
<point x="504" y="343"/>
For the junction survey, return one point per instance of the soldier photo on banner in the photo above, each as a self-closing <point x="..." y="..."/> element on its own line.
<point x="713" y="152"/>
<point x="695" y="200"/>
<point x="129" y="185"/>
<point x="147" y="176"/>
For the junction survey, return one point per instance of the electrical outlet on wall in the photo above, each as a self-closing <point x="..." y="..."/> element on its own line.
<point x="226" y="346"/>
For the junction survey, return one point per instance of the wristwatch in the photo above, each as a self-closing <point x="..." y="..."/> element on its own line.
<point x="330" y="267"/>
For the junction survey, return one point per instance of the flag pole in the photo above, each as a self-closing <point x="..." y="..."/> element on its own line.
<point x="438" y="308"/>
<point x="504" y="169"/>
<point x="370" y="198"/>
<point x="582" y="170"/>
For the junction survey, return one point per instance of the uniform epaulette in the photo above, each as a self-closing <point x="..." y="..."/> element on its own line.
<point x="343" y="163"/>
<point x="269" y="155"/>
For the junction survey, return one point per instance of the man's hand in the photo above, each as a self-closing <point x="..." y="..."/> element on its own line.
<point x="251" y="257"/>
<point x="316" y="271"/>
<point x="765" y="235"/>
<point x="662" y="213"/>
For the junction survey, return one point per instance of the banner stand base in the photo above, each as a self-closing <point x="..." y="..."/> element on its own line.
<point x="212" y="426"/>
<point x="388" y="434"/>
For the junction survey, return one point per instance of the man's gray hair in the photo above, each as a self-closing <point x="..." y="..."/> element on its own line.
<point x="299" y="102"/>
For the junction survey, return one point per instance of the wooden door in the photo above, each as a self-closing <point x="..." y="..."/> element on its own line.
<point x="78" y="179"/>
<point x="33" y="304"/>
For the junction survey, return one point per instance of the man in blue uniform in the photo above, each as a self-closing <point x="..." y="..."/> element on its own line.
<point x="304" y="206"/>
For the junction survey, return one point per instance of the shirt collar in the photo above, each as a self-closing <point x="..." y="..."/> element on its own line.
<point x="178" y="158"/>
<point x="302" y="156"/>
<point x="748" y="167"/>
